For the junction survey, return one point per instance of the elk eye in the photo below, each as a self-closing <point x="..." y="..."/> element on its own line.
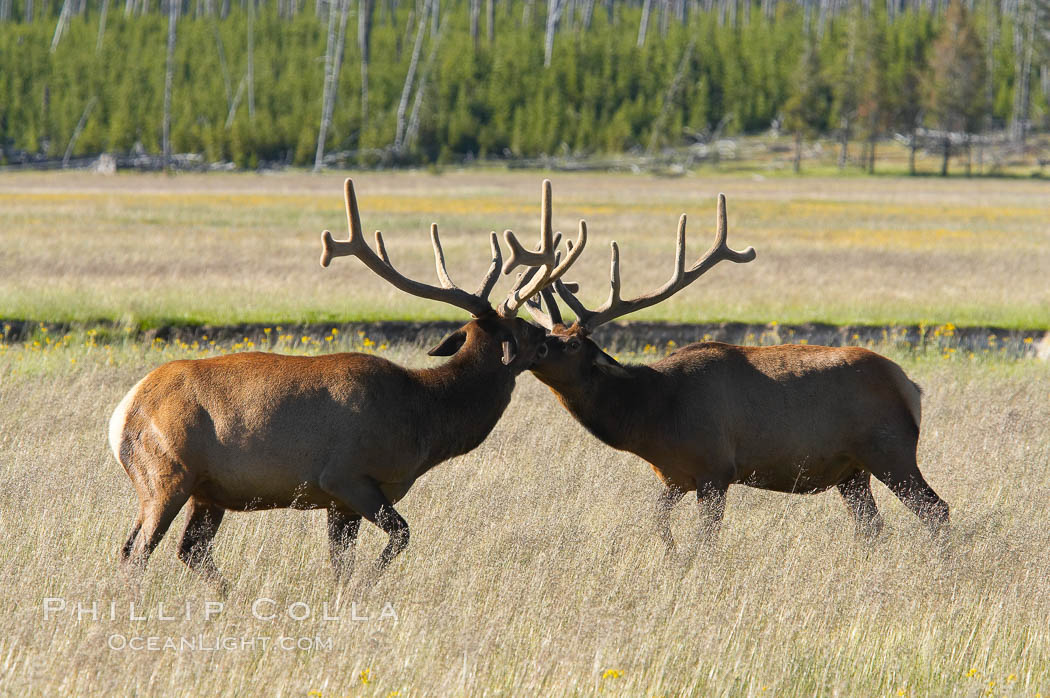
<point x="574" y="345"/>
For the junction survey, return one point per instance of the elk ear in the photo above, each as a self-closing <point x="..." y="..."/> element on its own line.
<point x="510" y="351"/>
<point x="609" y="365"/>
<point x="450" y="344"/>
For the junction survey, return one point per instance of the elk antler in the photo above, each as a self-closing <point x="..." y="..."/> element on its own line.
<point x="544" y="265"/>
<point x="475" y="303"/>
<point x="615" y="306"/>
<point x="552" y="316"/>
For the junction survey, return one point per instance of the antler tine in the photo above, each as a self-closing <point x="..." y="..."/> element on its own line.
<point x="582" y="314"/>
<point x="439" y="258"/>
<point x="553" y="311"/>
<point x="382" y="249"/>
<point x="616" y="307"/>
<point x="492" y="275"/>
<point x="720" y="248"/>
<point x="552" y="316"/>
<point x="544" y="255"/>
<point x="527" y="275"/>
<point x="477" y="305"/>
<point x="331" y="248"/>
<point x="544" y="265"/>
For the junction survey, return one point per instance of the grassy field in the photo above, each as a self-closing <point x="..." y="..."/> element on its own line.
<point x="532" y="568"/>
<point x="155" y="250"/>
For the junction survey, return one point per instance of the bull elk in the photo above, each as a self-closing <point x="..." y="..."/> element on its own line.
<point x="786" y="418"/>
<point x="349" y="433"/>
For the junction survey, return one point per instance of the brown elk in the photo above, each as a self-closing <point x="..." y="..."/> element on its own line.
<point x="348" y="432"/>
<point x="787" y="418"/>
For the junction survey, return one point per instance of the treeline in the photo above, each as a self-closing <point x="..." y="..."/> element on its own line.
<point x="438" y="80"/>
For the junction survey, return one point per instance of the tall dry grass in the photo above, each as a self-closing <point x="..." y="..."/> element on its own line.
<point x="532" y="568"/>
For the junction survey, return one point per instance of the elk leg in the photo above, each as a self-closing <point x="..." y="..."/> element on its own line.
<point x="711" y="504"/>
<point x="202" y="523"/>
<point x="856" y="492"/>
<point x="664" y="503"/>
<point x="125" y="552"/>
<point x="903" y="478"/>
<point x="363" y="495"/>
<point x="342" y="538"/>
<point x="156" y="518"/>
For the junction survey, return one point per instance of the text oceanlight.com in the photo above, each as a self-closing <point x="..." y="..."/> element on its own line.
<point x="216" y="643"/>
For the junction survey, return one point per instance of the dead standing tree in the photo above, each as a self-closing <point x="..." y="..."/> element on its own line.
<point x="169" y="77"/>
<point x="333" y="63"/>
<point x="410" y="79"/>
<point x="364" y="39"/>
<point x="643" y="24"/>
<point x="554" y="10"/>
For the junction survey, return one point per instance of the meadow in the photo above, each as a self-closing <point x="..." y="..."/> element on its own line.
<point x="533" y="567"/>
<point x="147" y="250"/>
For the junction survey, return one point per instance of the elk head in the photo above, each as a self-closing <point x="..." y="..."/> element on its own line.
<point x="493" y="333"/>
<point x="569" y="357"/>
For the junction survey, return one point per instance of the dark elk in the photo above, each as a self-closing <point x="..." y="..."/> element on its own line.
<point x="786" y="418"/>
<point x="349" y="433"/>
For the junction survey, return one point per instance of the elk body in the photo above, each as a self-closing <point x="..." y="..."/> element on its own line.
<point x="786" y="418"/>
<point x="349" y="433"/>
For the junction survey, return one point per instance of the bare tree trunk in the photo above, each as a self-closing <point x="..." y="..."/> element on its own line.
<point x="969" y="156"/>
<point x="77" y="131"/>
<point x="643" y="24"/>
<point x="169" y="78"/>
<point x="60" y="25"/>
<point x="236" y="101"/>
<point x="410" y="78"/>
<point x="587" y="14"/>
<point x="101" y="25"/>
<point x="333" y="63"/>
<point x="797" y="164"/>
<point x="1024" y="38"/>
<point x="947" y="147"/>
<point x="871" y="155"/>
<point x="475" y="16"/>
<point x="413" y="120"/>
<point x="5" y="10"/>
<point x="364" y="42"/>
<point x="554" y="8"/>
<point x="28" y="18"/>
<point x="669" y="99"/>
<point x="251" y="59"/>
<point x="490" y="20"/>
<point x="227" y="84"/>
<point x="912" y="147"/>
<point x="844" y="133"/>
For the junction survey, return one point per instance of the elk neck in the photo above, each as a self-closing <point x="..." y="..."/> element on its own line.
<point x="619" y="409"/>
<point x="464" y="398"/>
